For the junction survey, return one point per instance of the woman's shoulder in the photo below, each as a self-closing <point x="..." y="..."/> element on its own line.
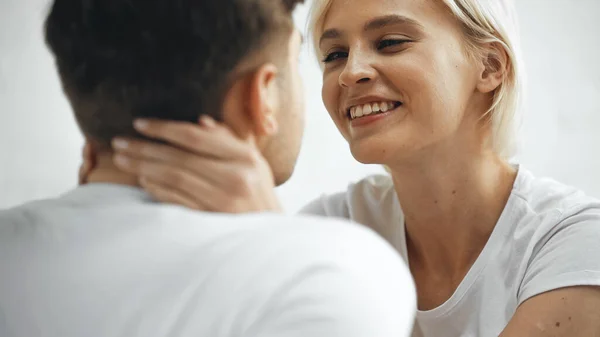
<point x="543" y="212"/>
<point x="556" y="229"/>
<point x="543" y="195"/>
<point x="371" y="193"/>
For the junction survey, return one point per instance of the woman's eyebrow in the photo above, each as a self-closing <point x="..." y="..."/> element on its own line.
<point x="389" y="20"/>
<point x="377" y="23"/>
<point x="330" y="34"/>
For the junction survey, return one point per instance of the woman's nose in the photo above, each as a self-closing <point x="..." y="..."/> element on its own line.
<point x="356" y="71"/>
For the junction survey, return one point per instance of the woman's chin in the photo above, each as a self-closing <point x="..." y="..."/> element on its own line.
<point x="372" y="152"/>
<point x="368" y="154"/>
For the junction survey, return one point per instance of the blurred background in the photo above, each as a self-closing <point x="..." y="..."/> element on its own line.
<point x="40" y="144"/>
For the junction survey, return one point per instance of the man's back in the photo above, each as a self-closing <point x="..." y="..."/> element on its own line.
<point x="104" y="260"/>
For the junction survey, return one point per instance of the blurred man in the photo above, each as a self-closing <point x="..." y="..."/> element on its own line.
<point x="106" y="260"/>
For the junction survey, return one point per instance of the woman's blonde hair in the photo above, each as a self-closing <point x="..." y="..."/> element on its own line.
<point x="484" y="22"/>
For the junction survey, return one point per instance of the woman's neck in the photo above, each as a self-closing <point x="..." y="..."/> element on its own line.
<point x="451" y="205"/>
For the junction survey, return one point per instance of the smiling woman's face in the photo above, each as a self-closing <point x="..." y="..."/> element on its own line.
<point x="398" y="81"/>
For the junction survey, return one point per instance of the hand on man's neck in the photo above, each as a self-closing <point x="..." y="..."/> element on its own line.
<point x="106" y="172"/>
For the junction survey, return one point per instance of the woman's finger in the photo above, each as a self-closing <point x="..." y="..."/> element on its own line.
<point x="83" y="173"/>
<point x="173" y="178"/>
<point x="167" y="195"/>
<point x="216" y="141"/>
<point x="87" y="164"/>
<point x="203" y="167"/>
<point x="86" y="152"/>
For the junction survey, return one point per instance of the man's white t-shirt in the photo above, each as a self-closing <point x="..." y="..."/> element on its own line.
<point x="548" y="237"/>
<point x="104" y="260"/>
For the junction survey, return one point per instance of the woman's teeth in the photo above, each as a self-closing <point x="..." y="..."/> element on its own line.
<point x="371" y="108"/>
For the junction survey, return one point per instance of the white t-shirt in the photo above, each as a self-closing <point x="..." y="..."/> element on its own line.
<point x="104" y="260"/>
<point x="548" y="237"/>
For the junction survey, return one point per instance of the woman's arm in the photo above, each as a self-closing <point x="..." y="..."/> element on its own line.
<point x="568" y="312"/>
<point x="560" y="291"/>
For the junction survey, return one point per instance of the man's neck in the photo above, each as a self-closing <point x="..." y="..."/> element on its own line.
<point x="106" y="172"/>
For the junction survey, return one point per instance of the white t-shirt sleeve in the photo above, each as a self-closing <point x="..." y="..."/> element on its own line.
<point x="568" y="255"/>
<point x="357" y="287"/>
<point x="370" y="198"/>
<point x="334" y="205"/>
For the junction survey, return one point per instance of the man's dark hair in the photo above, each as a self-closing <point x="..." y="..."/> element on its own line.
<point x="169" y="59"/>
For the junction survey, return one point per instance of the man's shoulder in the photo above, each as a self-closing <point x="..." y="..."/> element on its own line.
<point x="309" y="231"/>
<point x="313" y="244"/>
<point x="310" y="226"/>
<point x="26" y="212"/>
<point x="232" y="262"/>
<point x="268" y="228"/>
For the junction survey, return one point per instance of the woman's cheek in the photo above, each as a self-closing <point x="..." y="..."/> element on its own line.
<point x="330" y="94"/>
<point x="331" y="101"/>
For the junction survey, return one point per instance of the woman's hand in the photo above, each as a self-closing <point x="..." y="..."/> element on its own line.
<point x="205" y="167"/>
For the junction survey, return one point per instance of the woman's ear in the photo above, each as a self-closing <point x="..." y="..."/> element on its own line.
<point x="495" y="63"/>
<point x="263" y="100"/>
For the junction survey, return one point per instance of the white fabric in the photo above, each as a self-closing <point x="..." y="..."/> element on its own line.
<point x="547" y="238"/>
<point x="104" y="260"/>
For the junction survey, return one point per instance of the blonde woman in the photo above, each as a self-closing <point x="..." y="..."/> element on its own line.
<point x="429" y="89"/>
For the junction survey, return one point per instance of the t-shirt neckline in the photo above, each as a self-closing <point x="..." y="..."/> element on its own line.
<point x="106" y="193"/>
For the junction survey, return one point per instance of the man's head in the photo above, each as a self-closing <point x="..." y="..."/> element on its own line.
<point x="235" y="60"/>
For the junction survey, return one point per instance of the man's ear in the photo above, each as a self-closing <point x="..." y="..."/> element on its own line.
<point x="263" y="100"/>
<point x="495" y="63"/>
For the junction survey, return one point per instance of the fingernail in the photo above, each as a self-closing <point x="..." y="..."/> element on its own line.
<point x="121" y="160"/>
<point x="120" y="144"/>
<point x="141" y="124"/>
<point x="207" y="121"/>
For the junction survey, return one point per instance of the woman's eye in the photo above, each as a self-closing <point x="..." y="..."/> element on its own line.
<point x="335" y="56"/>
<point x="390" y="43"/>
